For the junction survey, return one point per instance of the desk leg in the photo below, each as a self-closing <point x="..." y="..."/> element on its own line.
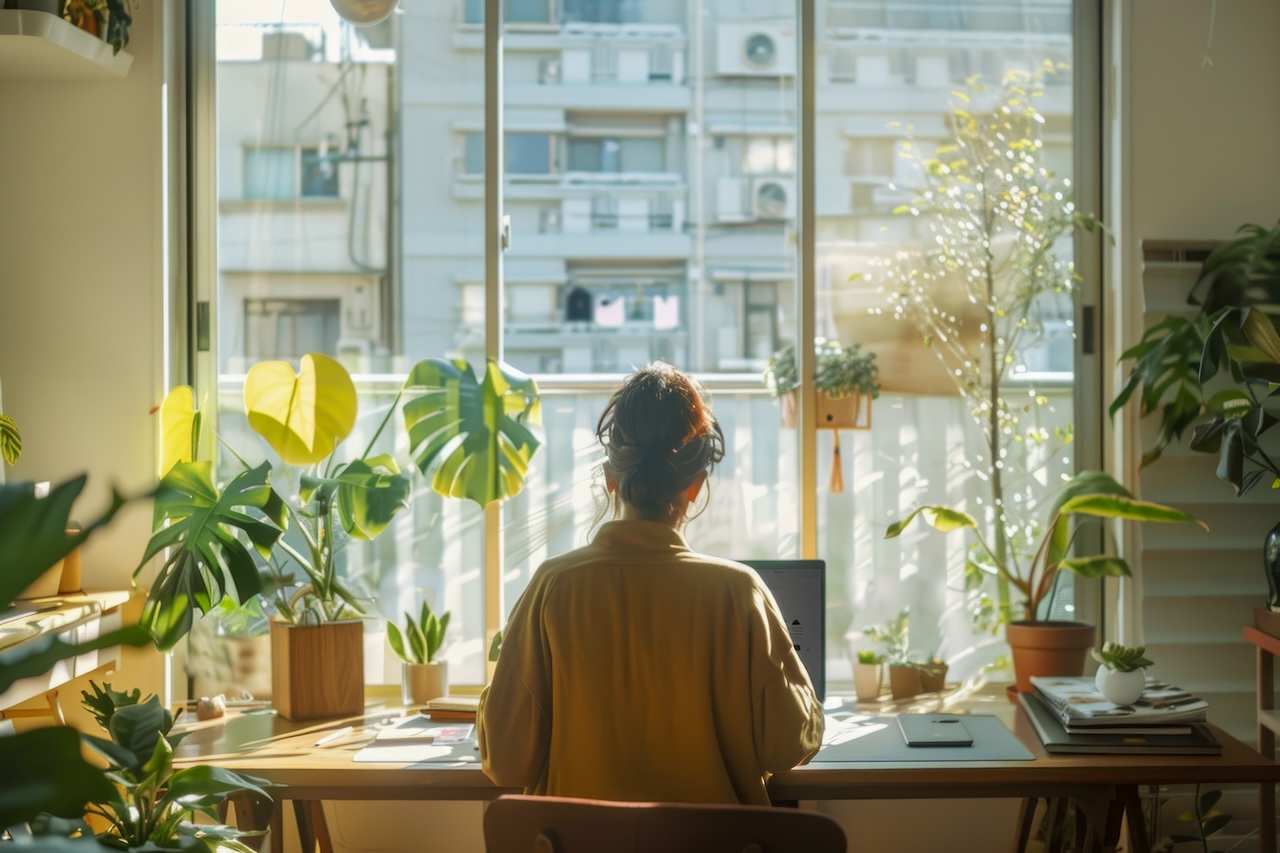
<point x="1138" y="840"/>
<point x="277" y="825"/>
<point x="1266" y="746"/>
<point x="1026" y="819"/>
<point x="1103" y="818"/>
<point x="313" y="831"/>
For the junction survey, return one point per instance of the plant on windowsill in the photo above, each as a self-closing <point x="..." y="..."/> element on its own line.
<point x="470" y="436"/>
<point x="1121" y="675"/>
<point x="868" y="675"/>
<point x="423" y="677"/>
<point x="847" y="380"/>
<point x="1043" y="647"/>
<point x="909" y="674"/>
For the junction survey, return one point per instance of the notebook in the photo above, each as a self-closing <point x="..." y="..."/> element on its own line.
<point x="1057" y="740"/>
<point x="800" y="589"/>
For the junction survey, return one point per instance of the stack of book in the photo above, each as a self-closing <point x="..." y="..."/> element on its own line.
<point x="1070" y="715"/>
<point x="460" y="709"/>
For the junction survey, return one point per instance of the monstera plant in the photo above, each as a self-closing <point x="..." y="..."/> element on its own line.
<point x="472" y="438"/>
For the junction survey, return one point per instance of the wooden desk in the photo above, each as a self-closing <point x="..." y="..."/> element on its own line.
<point x="1105" y="787"/>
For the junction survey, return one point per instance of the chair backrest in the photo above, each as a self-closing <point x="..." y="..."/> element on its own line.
<point x="523" y="824"/>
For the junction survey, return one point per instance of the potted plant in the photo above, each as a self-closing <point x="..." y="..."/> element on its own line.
<point x="1232" y="346"/>
<point x="845" y="378"/>
<point x="868" y="675"/>
<point x="472" y="437"/>
<point x="1121" y="676"/>
<point x="150" y="805"/>
<point x="994" y="220"/>
<point x="904" y="673"/>
<point x="423" y="677"/>
<point x="1040" y="646"/>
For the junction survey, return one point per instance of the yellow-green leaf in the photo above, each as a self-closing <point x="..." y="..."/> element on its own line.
<point x="303" y="415"/>
<point x="942" y="518"/>
<point x="178" y="429"/>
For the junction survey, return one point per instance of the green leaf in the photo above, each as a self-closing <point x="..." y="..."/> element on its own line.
<point x="396" y="641"/>
<point x="1096" y="567"/>
<point x="417" y="640"/>
<point x="472" y="439"/>
<point x="137" y="728"/>
<point x="943" y="518"/>
<point x="1208" y="800"/>
<point x="206" y="559"/>
<point x="1131" y="509"/>
<point x="204" y="781"/>
<point x="1230" y="403"/>
<point x="495" y="647"/>
<point x="1215" y="823"/>
<point x="370" y="494"/>
<point x="33" y="531"/>
<point x="44" y="771"/>
<point x="10" y="440"/>
<point x="1260" y="332"/>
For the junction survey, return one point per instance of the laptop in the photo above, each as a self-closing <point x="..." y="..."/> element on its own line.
<point x="800" y="588"/>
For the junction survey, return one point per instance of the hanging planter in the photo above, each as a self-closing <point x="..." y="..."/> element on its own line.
<point x="846" y="381"/>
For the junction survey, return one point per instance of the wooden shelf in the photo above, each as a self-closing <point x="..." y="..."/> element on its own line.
<point x="40" y="46"/>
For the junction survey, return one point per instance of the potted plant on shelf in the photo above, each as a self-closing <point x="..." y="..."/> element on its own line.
<point x="846" y="379"/>
<point x="868" y="675"/>
<point x="471" y="436"/>
<point x="1121" y="676"/>
<point x="423" y="677"/>
<point x="1041" y="646"/>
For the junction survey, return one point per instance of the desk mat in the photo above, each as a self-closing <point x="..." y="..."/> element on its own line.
<point x="864" y="738"/>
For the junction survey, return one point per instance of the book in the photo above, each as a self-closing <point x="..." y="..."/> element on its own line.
<point x="456" y="708"/>
<point x="1057" y="739"/>
<point x="1076" y="702"/>
<point x="1128" y="730"/>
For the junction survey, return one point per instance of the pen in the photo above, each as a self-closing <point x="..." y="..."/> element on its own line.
<point x="334" y="735"/>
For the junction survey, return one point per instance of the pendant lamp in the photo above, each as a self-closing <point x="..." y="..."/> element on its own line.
<point x="364" y="13"/>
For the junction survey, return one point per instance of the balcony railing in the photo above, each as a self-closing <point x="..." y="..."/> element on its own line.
<point x="918" y="451"/>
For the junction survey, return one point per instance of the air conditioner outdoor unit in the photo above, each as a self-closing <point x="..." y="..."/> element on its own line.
<point x="773" y="198"/>
<point x="549" y="71"/>
<point x="765" y="48"/>
<point x="549" y="220"/>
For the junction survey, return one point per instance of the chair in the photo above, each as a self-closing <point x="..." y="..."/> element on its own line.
<point x="523" y="824"/>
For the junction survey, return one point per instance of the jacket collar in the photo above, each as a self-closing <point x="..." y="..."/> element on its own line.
<point x="639" y="536"/>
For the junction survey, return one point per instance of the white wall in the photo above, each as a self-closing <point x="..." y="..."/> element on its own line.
<point x="80" y="289"/>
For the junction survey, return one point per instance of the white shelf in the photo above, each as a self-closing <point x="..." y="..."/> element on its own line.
<point x="40" y="46"/>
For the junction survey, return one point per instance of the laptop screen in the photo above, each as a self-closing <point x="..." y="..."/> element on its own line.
<point x="799" y="587"/>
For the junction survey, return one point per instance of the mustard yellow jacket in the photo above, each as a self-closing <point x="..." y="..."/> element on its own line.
<point x="637" y="669"/>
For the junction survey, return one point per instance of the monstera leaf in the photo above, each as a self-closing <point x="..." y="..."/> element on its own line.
<point x="303" y="415"/>
<point x="370" y="493"/>
<point x="474" y="436"/>
<point x="206" y="557"/>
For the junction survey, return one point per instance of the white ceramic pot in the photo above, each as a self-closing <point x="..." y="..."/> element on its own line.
<point x="1120" y="688"/>
<point x="422" y="682"/>
<point x="867" y="678"/>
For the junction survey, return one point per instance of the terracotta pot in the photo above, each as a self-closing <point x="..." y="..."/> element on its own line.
<point x="317" y="670"/>
<point x="904" y="681"/>
<point x="422" y="682"/>
<point x="867" y="678"/>
<point x="1047" y="648"/>
<point x="933" y="677"/>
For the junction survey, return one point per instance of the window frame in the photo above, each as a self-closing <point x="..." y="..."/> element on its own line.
<point x="201" y="322"/>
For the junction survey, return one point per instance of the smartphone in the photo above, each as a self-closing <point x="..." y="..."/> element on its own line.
<point x="934" y="730"/>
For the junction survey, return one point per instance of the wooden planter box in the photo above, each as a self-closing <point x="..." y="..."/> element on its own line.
<point x="852" y="412"/>
<point x="317" y="670"/>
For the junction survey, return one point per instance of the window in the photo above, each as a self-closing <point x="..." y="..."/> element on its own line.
<point x="286" y="172"/>
<point x="654" y="196"/>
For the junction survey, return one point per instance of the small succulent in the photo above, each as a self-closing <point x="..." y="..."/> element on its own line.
<point x="421" y="638"/>
<point x="1121" y="658"/>
<point x="870" y="657"/>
